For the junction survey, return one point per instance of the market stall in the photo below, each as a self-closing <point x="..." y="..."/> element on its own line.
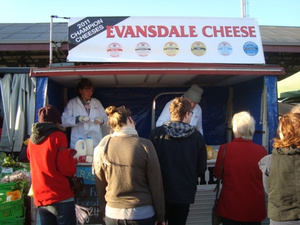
<point x="141" y="64"/>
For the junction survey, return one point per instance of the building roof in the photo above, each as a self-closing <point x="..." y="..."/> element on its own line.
<point x="12" y="33"/>
<point x="16" y="33"/>
<point x="278" y="35"/>
<point x="28" y="44"/>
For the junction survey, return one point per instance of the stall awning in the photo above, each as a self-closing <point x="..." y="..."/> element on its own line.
<point x="157" y="74"/>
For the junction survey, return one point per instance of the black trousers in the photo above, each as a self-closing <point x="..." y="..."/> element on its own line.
<point x="232" y="222"/>
<point x="176" y="214"/>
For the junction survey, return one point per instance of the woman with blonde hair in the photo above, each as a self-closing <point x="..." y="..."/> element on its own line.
<point x="128" y="177"/>
<point x="281" y="173"/>
<point x="242" y="198"/>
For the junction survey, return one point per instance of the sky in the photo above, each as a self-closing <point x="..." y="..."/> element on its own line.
<point x="267" y="12"/>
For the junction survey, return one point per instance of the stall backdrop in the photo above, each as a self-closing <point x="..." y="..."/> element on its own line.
<point x="216" y="121"/>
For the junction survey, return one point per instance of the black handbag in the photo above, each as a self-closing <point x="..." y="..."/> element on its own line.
<point x="76" y="182"/>
<point x="215" y="218"/>
<point x="77" y="186"/>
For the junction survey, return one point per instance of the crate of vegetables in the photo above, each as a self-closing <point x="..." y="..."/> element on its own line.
<point x="13" y="204"/>
<point x="5" y="187"/>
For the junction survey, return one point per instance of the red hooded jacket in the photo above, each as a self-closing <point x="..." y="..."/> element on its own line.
<point x="50" y="167"/>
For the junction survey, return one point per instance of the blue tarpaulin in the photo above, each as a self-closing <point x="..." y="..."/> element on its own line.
<point x="246" y="96"/>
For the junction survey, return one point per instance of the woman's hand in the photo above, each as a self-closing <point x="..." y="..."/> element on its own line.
<point x="84" y="119"/>
<point x="99" y="120"/>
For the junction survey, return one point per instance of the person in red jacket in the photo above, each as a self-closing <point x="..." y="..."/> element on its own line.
<point x="51" y="163"/>
<point x="242" y="198"/>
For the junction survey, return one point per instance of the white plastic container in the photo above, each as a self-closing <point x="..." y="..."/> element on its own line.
<point x="80" y="147"/>
<point x="89" y="146"/>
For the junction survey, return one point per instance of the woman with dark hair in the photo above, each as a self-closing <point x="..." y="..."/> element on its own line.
<point x="242" y="198"/>
<point x="128" y="176"/>
<point x="84" y="114"/>
<point x="281" y="173"/>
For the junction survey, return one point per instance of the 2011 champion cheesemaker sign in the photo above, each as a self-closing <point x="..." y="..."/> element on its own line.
<point x="165" y="39"/>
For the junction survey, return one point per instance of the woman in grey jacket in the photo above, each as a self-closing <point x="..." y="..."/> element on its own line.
<point x="281" y="173"/>
<point x="128" y="176"/>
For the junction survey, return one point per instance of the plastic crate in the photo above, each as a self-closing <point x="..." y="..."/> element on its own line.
<point x="12" y="209"/>
<point x="9" y="185"/>
<point x="13" y="221"/>
<point x="5" y="187"/>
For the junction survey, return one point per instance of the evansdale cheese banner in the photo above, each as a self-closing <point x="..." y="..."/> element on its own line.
<point x="165" y="39"/>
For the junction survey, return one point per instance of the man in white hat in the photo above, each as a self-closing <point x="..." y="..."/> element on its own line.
<point x="193" y="94"/>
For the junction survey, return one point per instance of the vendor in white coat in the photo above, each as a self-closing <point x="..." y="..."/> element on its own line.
<point x="193" y="94"/>
<point x="84" y="114"/>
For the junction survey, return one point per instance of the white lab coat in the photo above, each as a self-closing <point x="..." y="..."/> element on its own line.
<point x="196" y="119"/>
<point x="83" y="130"/>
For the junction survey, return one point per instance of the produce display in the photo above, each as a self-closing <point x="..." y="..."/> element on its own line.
<point x="8" y="161"/>
<point x="14" y="187"/>
<point x="12" y="209"/>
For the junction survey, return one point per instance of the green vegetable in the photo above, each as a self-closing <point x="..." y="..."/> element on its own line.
<point x="22" y="185"/>
<point x="10" y="162"/>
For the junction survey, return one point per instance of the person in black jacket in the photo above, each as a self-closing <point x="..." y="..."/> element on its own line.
<point x="183" y="158"/>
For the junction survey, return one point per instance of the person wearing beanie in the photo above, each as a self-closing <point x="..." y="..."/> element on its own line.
<point x="84" y="114"/>
<point x="193" y="95"/>
<point x="51" y="162"/>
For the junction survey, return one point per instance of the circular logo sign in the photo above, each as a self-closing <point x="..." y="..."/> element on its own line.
<point x="198" y="48"/>
<point x="250" y="48"/>
<point x="114" y="49"/>
<point x="171" y="49"/>
<point x="143" y="49"/>
<point x="224" y="48"/>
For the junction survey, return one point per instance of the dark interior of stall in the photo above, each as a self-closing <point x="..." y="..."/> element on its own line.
<point x="246" y="96"/>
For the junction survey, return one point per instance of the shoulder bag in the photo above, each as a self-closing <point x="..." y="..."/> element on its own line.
<point x="76" y="182"/>
<point x="215" y="218"/>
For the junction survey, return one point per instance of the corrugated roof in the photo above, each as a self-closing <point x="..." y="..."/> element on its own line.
<point x="13" y="33"/>
<point x="16" y="33"/>
<point x="273" y="35"/>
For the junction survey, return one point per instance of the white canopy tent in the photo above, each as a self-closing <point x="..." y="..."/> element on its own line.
<point x="288" y="93"/>
<point x="289" y="84"/>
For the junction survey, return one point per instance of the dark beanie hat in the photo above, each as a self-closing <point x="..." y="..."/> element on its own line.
<point x="49" y="114"/>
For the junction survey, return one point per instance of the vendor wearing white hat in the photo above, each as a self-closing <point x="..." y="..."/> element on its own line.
<point x="193" y="94"/>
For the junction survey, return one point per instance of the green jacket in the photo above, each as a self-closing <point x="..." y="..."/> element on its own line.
<point x="284" y="185"/>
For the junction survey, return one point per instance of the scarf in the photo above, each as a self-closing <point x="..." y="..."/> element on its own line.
<point x="100" y="158"/>
<point x="177" y="129"/>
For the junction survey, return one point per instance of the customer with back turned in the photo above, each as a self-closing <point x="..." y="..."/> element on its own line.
<point x="128" y="176"/>
<point x="281" y="173"/>
<point x="242" y="198"/>
<point x="182" y="155"/>
<point x="51" y="162"/>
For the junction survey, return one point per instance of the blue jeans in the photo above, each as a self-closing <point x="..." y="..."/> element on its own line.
<point x="62" y="213"/>
<point x="148" y="221"/>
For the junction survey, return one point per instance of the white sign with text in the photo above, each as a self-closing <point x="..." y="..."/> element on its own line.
<point x="165" y="39"/>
